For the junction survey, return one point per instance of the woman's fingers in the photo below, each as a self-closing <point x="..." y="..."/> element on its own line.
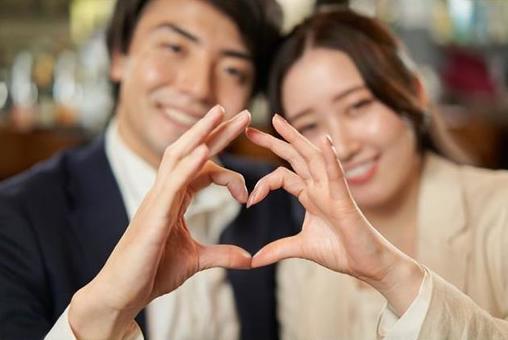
<point x="280" y="178"/>
<point x="213" y="173"/>
<point x="276" y="251"/>
<point x="224" y="256"/>
<point x="281" y="148"/>
<point x="336" y="180"/>
<point x="310" y="153"/>
<point x="227" y="132"/>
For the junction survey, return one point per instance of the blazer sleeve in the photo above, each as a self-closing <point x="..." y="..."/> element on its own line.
<point x="25" y="300"/>
<point x="453" y="315"/>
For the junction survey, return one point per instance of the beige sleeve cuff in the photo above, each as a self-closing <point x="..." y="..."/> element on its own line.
<point x="407" y="327"/>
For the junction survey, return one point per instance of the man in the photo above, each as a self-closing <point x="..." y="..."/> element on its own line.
<point x="172" y="60"/>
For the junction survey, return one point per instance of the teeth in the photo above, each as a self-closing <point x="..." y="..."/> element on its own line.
<point x="180" y="117"/>
<point x="359" y="171"/>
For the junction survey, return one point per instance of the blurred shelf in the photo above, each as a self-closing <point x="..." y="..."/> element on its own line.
<point x="20" y="150"/>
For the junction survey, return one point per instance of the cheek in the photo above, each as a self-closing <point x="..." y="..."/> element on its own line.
<point x="150" y="71"/>
<point x="386" y="129"/>
<point x="232" y="97"/>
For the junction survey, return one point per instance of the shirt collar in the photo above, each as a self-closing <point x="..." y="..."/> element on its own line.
<point x="135" y="177"/>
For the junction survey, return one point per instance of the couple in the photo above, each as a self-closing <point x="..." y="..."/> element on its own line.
<point x="173" y="59"/>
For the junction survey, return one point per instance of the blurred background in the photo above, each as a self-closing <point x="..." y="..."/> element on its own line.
<point x="54" y="90"/>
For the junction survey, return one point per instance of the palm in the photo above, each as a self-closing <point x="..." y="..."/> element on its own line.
<point x="157" y="254"/>
<point x="330" y="243"/>
<point x="335" y="233"/>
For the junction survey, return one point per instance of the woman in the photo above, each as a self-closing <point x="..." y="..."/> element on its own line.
<point x="343" y="75"/>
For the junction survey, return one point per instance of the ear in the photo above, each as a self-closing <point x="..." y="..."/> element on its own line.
<point x="118" y="66"/>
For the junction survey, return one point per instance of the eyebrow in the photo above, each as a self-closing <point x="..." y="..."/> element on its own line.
<point x="338" y="97"/>
<point x="195" y="39"/>
<point x="178" y="30"/>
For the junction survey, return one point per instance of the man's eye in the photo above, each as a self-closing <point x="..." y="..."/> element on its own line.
<point x="236" y="73"/>
<point x="175" y="48"/>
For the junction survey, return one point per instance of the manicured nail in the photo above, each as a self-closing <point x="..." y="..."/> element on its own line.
<point x="217" y="108"/>
<point x="242" y="115"/>
<point x="280" y="118"/>
<point x="252" y="197"/>
<point x="252" y="131"/>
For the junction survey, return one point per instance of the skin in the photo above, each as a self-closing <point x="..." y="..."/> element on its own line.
<point x="364" y="131"/>
<point x="376" y="146"/>
<point x="157" y="244"/>
<point x="335" y="233"/>
<point x="185" y="56"/>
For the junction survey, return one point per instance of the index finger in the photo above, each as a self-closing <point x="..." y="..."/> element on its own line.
<point x="226" y="132"/>
<point x="193" y="137"/>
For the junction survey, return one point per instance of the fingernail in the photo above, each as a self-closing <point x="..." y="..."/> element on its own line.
<point x="217" y="109"/>
<point x="220" y="107"/>
<point x="252" y="197"/>
<point x="252" y="131"/>
<point x="279" y="117"/>
<point x="242" y="115"/>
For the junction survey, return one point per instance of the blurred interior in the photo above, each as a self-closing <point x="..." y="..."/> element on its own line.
<point x="54" y="90"/>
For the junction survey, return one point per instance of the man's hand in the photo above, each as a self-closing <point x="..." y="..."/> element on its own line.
<point x="157" y="254"/>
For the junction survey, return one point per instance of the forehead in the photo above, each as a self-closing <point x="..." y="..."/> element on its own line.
<point x="199" y="17"/>
<point x="333" y="70"/>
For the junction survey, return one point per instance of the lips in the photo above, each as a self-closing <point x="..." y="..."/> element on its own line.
<point x="361" y="173"/>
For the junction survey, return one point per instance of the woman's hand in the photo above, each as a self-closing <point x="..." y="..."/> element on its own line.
<point x="335" y="234"/>
<point x="157" y="254"/>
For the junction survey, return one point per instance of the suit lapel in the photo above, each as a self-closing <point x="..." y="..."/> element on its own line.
<point x="97" y="216"/>
<point x="443" y="233"/>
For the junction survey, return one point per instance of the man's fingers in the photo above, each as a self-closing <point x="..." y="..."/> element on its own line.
<point x="191" y="139"/>
<point x="167" y="186"/>
<point x="280" y="178"/>
<point x="225" y="133"/>
<point x="281" y="148"/>
<point x="224" y="256"/>
<point x="213" y="173"/>
<point x="276" y="251"/>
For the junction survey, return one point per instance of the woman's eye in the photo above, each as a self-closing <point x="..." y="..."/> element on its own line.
<point x="360" y="106"/>
<point x="307" y="128"/>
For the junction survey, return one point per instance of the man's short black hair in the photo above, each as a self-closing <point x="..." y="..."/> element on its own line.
<point x="257" y="20"/>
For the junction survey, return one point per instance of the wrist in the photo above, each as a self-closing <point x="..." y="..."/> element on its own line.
<point x="401" y="283"/>
<point x="90" y="318"/>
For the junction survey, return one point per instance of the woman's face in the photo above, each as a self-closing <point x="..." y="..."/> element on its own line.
<point x="324" y="93"/>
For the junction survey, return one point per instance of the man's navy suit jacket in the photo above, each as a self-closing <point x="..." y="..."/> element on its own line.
<point x="60" y="221"/>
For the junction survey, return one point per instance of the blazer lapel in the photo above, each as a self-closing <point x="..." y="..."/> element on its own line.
<point x="443" y="232"/>
<point x="97" y="215"/>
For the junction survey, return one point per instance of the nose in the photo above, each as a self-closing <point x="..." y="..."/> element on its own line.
<point x="197" y="81"/>
<point x="344" y="142"/>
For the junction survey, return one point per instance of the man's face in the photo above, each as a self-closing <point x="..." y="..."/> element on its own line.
<point x="185" y="56"/>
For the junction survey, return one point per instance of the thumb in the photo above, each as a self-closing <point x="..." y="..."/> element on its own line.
<point x="278" y="250"/>
<point x="224" y="256"/>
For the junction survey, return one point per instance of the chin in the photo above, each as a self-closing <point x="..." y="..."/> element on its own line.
<point x="369" y="198"/>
